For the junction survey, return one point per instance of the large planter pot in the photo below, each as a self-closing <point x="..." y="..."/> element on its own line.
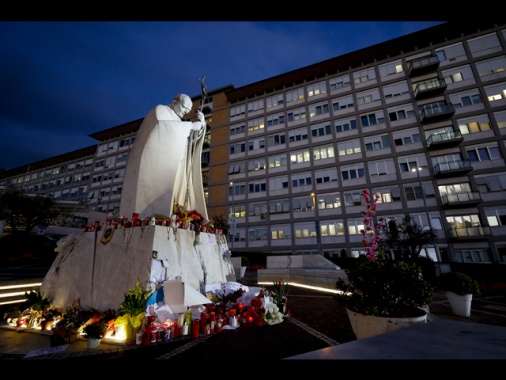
<point x="460" y="305"/>
<point x="365" y="326"/>
<point x="92" y="343"/>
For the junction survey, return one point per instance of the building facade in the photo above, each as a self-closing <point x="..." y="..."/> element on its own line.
<point x="420" y="119"/>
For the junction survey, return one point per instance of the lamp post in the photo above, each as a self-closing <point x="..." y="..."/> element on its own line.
<point x="232" y="217"/>
<point x="317" y="224"/>
<point x="417" y="169"/>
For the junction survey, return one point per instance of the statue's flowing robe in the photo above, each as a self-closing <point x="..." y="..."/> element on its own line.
<point x="164" y="167"/>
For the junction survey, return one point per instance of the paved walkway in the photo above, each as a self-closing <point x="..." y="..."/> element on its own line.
<point x="436" y="340"/>
<point x="482" y="336"/>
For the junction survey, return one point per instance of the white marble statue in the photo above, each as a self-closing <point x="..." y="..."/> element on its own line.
<point x="163" y="169"/>
<point x="164" y="165"/>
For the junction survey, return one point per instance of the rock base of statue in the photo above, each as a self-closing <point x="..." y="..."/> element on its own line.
<point x="365" y="326"/>
<point x="133" y="254"/>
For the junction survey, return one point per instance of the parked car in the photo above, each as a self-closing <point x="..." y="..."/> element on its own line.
<point x="26" y="247"/>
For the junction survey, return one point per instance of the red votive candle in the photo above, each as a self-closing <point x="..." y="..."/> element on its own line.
<point x="177" y="331"/>
<point x="203" y="320"/>
<point x="196" y="328"/>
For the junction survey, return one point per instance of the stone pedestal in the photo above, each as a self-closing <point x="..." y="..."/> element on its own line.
<point x="99" y="269"/>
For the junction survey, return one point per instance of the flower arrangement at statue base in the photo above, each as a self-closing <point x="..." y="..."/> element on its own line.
<point x="229" y="309"/>
<point x="36" y="312"/>
<point x="132" y="310"/>
<point x="266" y="307"/>
<point x="180" y="219"/>
<point x="67" y="329"/>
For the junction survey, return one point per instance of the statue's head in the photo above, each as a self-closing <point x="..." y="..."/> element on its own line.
<point x="182" y="104"/>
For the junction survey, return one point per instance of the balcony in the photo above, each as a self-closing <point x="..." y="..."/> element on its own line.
<point x="461" y="199"/>
<point x="452" y="169"/>
<point x="430" y="88"/>
<point x="470" y="233"/>
<point x="444" y="140"/>
<point x="431" y="113"/>
<point x="423" y="65"/>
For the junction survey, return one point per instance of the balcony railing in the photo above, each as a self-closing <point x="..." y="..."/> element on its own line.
<point x="452" y="169"/>
<point x="444" y="140"/>
<point x="438" y="111"/>
<point x="430" y="88"/>
<point x="461" y="199"/>
<point x="423" y="65"/>
<point x="470" y="232"/>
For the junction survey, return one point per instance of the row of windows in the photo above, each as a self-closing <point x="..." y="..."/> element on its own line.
<point x="449" y="54"/>
<point x="334" y="200"/>
<point x="475" y="153"/>
<point x="404" y="112"/>
<point x="341" y="227"/>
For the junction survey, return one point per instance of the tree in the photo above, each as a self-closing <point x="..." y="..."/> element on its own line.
<point x="406" y="239"/>
<point x="23" y="212"/>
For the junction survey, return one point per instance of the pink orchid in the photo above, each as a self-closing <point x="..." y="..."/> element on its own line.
<point x="372" y="232"/>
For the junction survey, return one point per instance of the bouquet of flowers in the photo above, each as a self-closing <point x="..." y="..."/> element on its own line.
<point x="74" y="317"/>
<point x="51" y="314"/>
<point x="272" y="314"/>
<point x="192" y="219"/>
<point x="279" y="295"/>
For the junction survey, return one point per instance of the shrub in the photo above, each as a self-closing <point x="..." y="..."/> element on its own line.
<point x="244" y="261"/>
<point x="458" y="283"/>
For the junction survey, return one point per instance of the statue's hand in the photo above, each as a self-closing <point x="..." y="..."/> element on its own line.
<point x="201" y="118"/>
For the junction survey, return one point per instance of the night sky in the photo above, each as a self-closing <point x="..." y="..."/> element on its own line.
<point x="63" y="80"/>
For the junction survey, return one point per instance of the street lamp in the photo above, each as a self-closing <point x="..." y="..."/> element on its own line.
<point x="317" y="225"/>
<point x="417" y="170"/>
<point x="232" y="217"/>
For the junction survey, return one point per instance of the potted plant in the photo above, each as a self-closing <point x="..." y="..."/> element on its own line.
<point x="94" y="332"/>
<point x="459" y="289"/>
<point x="133" y="310"/>
<point x="382" y="294"/>
<point x="244" y="265"/>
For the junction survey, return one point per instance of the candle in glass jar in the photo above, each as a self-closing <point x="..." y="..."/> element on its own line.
<point x="196" y="328"/>
<point x="203" y="320"/>
<point x="177" y="331"/>
<point x="180" y="319"/>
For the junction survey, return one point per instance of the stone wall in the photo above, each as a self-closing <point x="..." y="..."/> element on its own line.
<point x="312" y="270"/>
